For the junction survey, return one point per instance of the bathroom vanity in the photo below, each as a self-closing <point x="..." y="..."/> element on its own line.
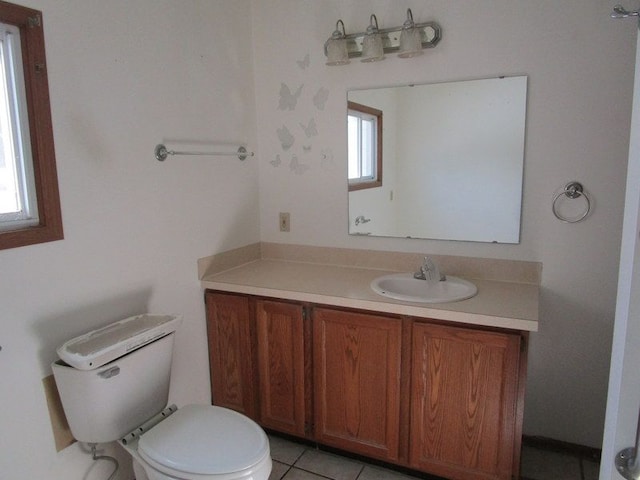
<point x="309" y="350"/>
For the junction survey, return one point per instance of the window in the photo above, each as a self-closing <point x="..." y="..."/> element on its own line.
<point x="18" y="206"/>
<point x="364" y="126"/>
<point x="29" y="198"/>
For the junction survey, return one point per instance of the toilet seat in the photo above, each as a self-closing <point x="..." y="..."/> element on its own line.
<point x="204" y="441"/>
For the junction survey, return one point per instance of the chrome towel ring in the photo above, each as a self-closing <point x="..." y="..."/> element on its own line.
<point x="572" y="190"/>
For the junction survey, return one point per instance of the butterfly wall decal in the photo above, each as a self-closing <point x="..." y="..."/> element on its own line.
<point x="276" y="162"/>
<point x="288" y="100"/>
<point x="310" y="129"/>
<point x="326" y="158"/>
<point x="296" y="167"/>
<point x="320" y="98"/>
<point x="304" y="63"/>
<point x="286" y="139"/>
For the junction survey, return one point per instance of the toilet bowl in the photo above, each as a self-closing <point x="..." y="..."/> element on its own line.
<point x="201" y="442"/>
<point x="114" y="386"/>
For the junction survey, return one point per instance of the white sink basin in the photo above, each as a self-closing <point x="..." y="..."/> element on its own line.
<point x="403" y="286"/>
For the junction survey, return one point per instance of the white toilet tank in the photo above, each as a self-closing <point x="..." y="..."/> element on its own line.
<point x="114" y="379"/>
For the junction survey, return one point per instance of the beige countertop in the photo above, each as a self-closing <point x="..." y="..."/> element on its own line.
<point x="497" y="304"/>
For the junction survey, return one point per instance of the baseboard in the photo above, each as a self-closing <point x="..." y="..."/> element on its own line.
<point x="562" y="447"/>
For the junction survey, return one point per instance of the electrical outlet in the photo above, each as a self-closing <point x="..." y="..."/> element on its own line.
<point x="285" y="225"/>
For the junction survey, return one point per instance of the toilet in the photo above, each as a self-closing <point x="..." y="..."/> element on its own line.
<point x="114" y="387"/>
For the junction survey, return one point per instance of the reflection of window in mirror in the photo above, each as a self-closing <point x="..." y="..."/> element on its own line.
<point x="29" y="200"/>
<point x="364" y="126"/>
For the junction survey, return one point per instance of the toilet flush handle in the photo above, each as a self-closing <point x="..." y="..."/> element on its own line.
<point x="109" y="372"/>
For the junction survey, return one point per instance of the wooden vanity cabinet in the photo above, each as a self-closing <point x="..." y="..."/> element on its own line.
<point x="357" y="381"/>
<point x="441" y="399"/>
<point x="231" y="362"/>
<point x="464" y="402"/>
<point x="257" y="359"/>
<point x="281" y="366"/>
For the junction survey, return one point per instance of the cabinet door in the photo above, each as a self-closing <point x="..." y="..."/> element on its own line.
<point x="357" y="381"/>
<point x="230" y="353"/>
<point x="463" y="402"/>
<point x="281" y="365"/>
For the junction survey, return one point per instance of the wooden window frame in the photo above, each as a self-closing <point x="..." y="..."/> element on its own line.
<point x="49" y="228"/>
<point x="377" y="181"/>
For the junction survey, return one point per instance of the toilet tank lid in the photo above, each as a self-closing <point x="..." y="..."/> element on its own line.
<point x="101" y="346"/>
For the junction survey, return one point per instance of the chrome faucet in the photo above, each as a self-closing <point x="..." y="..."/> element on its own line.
<point x="429" y="271"/>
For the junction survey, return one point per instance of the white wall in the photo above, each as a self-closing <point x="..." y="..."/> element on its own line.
<point x="580" y="68"/>
<point x="124" y="76"/>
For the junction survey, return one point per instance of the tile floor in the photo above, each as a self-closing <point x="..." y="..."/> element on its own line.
<point x="295" y="461"/>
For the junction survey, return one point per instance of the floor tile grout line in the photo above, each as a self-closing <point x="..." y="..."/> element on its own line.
<point x="362" y="465"/>
<point x="312" y="472"/>
<point x="304" y="450"/>
<point x="289" y="467"/>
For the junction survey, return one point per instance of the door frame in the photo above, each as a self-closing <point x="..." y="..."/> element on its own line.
<point x="623" y="399"/>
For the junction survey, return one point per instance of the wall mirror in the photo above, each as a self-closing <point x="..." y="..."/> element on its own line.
<point x="452" y="161"/>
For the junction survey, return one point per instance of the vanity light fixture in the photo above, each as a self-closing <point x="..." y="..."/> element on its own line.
<point x="336" y="47"/>
<point x="407" y="40"/>
<point x="372" y="50"/>
<point x="410" y="38"/>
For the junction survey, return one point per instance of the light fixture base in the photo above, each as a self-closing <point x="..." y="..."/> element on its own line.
<point x="430" y="36"/>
